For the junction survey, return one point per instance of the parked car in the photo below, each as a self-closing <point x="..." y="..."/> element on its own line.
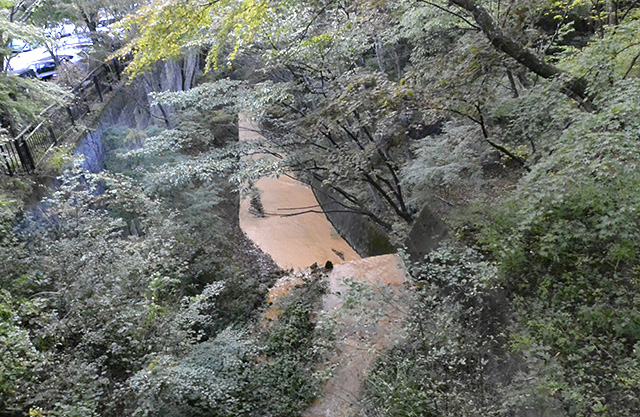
<point x="62" y="30"/>
<point x="46" y="68"/>
<point x="18" y="46"/>
<point x="43" y="69"/>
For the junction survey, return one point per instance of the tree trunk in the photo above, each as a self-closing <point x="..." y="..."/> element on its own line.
<point x="92" y="25"/>
<point x="575" y="88"/>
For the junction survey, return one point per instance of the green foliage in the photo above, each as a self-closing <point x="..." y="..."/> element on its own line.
<point x="566" y="242"/>
<point x="22" y="99"/>
<point x="445" y="162"/>
<point x="352" y="142"/>
<point x="205" y="97"/>
<point x="443" y="366"/>
<point x="295" y="347"/>
<point x="235" y="373"/>
<point x="608" y="58"/>
<point x="15" y="29"/>
<point x="129" y="294"/>
<point x="560" y="337"/>
<point x="164" y="31"/>
<point x="200" y="149"/>
<point x="19" y="358"/>
<point x="207" y="380"/>
<point x="106" y="277"/>
<point x="532" y="123"/>
<point x="6" y="218"/>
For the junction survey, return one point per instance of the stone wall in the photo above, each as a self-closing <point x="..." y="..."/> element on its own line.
<point x="364" y="236"/>
<point x="427" y="231"/>
<point x="370" y="239"/>
<point x="129" y="107"/>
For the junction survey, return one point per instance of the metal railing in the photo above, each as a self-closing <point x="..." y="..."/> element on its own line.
<point x="22" y="154"/>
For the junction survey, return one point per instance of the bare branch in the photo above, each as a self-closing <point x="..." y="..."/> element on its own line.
<point x="458" y="15"/>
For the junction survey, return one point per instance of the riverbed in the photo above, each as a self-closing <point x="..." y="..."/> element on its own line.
<point x="291" y="228"/>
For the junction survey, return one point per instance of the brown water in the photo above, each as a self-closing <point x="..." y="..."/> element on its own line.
<point x="297" y="242"/>
<point x="359" y="339"/>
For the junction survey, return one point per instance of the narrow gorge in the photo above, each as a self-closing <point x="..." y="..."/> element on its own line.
<point x="296" y="239"/>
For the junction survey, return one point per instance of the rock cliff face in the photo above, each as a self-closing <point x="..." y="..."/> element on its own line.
<point x="129" y="107"/>
<point x="368" y="239"/>
<point x="427" y="231"/>
<point x="92" y="149"/>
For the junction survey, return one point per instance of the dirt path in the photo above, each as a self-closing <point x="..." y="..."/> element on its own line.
<point x="297" y="242"/>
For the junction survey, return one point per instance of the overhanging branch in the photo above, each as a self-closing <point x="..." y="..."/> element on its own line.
<point x="574" y="88"/>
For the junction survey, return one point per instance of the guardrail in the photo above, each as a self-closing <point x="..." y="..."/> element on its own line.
<point x="22" y="154"/>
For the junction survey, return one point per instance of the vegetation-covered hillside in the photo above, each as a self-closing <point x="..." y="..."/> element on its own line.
<point x="516" y="122"/>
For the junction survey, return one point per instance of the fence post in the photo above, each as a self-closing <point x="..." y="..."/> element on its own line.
<point x="97" y="84"/>
<point x="70" y="112"/>
<point x="53" y="135"/>
<point x="116" y="64"/>
<point x="25" y="155"/>
<point x="6" y="159"/>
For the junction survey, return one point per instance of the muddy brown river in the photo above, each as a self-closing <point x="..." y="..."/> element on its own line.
<point x="293" y="241"/>
<point x="296" y="242"/>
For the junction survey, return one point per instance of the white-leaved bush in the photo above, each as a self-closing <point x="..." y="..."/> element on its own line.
<point x="445" y="163"/>
<point x="207" y="379"/>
